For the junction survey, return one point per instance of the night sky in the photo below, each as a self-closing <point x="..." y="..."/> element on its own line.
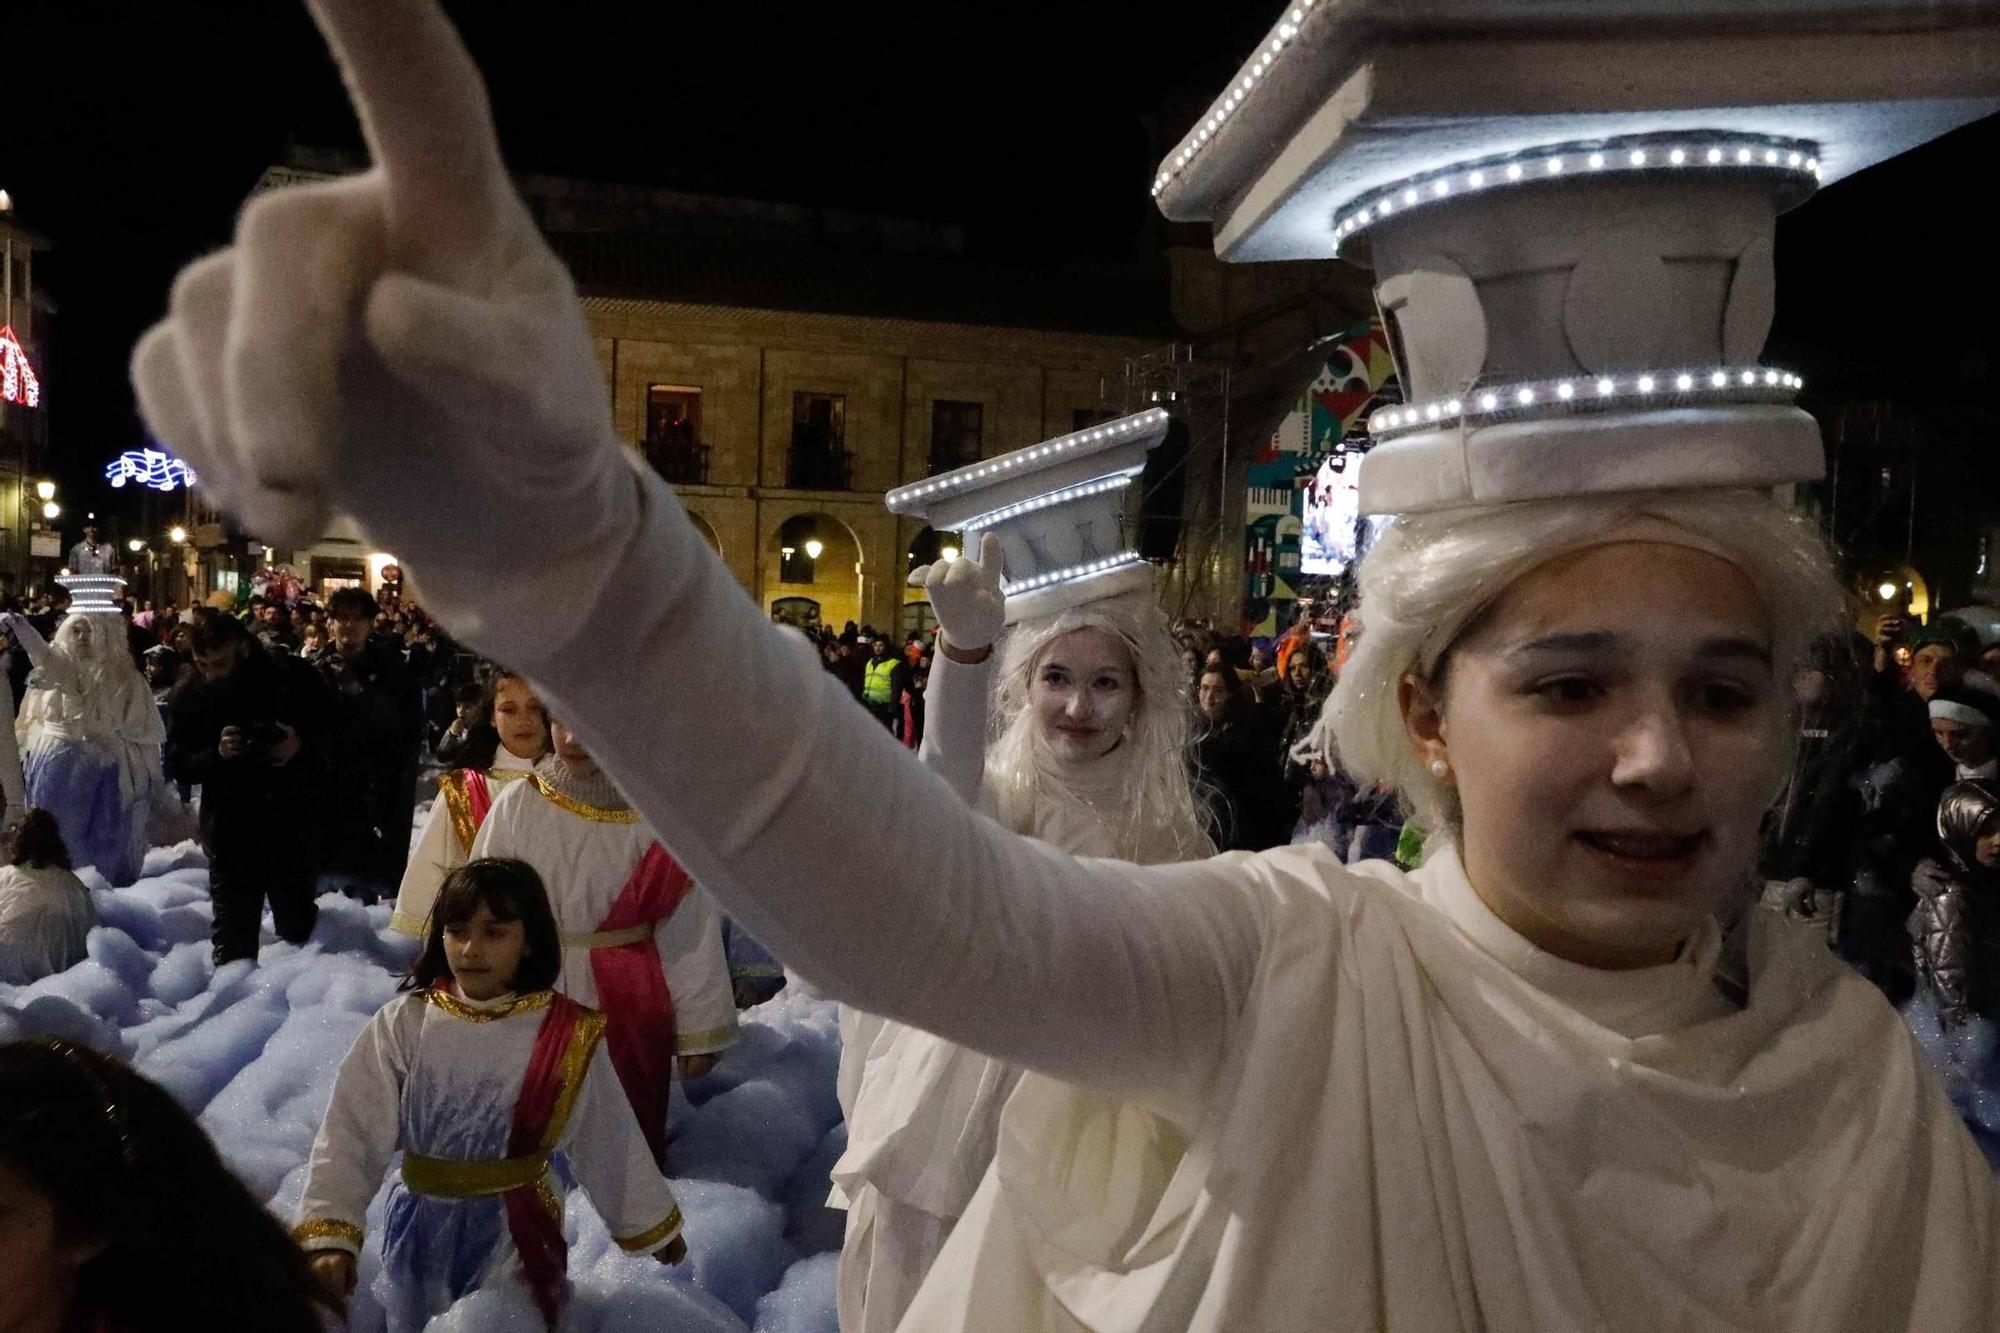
<point x="136" y="130"/>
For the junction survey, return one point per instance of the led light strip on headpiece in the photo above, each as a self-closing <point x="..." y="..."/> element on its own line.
<point x="1117" y="481"/>
<point x="1794" y="160"/>
<point x="1075" y="573"/>
<point x="1494" y="403"/>
<point x="93" y="593"/>
<point x="966" y="477"/>
<point x="1220" y="110"/>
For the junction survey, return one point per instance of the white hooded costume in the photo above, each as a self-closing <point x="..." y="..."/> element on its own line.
<point x="90" y="737"/>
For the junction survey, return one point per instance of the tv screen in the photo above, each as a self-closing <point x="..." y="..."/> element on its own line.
<point x="1330" y="537"/>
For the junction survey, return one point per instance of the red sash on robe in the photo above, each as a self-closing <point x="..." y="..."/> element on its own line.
<point x="468" y="795"/>
<point x="556" y="1067"/>
<point x="632" y="992"/>
<point x="478" y="795"/>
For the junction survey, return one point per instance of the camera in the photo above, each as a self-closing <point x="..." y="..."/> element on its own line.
<point x="260" y="738"/>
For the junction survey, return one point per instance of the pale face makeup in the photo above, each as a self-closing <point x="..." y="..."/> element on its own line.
<point x="1615" y="733"/>
<point x="1083" y="694"/>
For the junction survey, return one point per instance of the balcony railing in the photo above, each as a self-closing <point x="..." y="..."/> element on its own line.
<point x="680" y="462"/>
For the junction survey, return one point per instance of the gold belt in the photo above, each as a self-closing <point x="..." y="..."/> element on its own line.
<point x="610" y="939"/>
<point x="445" y="1178"/>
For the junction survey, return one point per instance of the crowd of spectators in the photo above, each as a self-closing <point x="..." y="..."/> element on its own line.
<point x="307" y="727"/>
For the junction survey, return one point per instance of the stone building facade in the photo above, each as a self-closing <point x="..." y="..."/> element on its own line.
<point x="780" y="428"/>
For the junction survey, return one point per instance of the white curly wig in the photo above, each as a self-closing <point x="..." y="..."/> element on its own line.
<point x="1430" y="576"/>
<point x="1158" y="803"/>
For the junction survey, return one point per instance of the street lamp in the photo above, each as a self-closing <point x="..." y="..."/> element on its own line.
<point x="135" y="546"/>
<point x="948" y="553"/>
<point x="177" y="534"/>
<point x="45" y="489"/>
<point x="814" y="546"/>
<point x="51" y="511"/>
<point x="1887" y="592"/>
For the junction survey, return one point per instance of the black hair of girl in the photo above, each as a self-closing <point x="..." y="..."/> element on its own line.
<point x="37" y="841"/>
<point x="130" y="1175"/>
<point x="511" y="891"/>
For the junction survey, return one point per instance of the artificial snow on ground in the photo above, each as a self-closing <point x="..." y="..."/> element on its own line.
<point x="253" y="1049"/>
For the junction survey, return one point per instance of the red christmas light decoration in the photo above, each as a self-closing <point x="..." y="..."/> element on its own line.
<point x="17" y="378"/>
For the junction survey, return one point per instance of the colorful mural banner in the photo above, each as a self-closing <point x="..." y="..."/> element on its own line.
<point x="1357" y="371"/>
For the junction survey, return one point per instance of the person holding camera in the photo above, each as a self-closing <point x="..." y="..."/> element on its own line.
<point x="251" y="728"/>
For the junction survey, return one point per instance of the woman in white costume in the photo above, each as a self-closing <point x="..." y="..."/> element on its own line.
<point x="1527" y="1086"/>
<point x="1090" y="754"/>
<point x="90" y="738"/>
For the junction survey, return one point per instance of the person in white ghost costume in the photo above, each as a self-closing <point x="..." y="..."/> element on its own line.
<point x="1090" y="754"/>
<point x="466" y="796"/>
<point x="641" y="942"/>
<point x="1524" y="1087"/>
<point x="90" y="737"/>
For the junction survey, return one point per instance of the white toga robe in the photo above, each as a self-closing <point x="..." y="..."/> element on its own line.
<point x="585" y="863"/>
<point x="1394" y="1117"/>
<point x="441" y="849"/>
<point x="439" y="1075"/>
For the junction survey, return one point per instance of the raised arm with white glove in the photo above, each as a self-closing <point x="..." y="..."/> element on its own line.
<point x="403" y="348"/>
<point x="972" y="610"/>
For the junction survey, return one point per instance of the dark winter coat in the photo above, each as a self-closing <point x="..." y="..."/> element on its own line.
<point x="248" y="798"/>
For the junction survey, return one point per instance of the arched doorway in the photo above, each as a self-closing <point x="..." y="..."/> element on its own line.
<point x="707" y="531"/>
<point x="817" y="557"/>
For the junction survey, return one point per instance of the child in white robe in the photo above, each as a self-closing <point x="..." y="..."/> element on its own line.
<point x="478" y="1075"/>
<point x="628" y="917"/>
<point x="465" y="797"/>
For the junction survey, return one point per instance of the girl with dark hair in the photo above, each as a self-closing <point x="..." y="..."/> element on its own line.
<point x="479" y="1074"/>
<point x="115" y="1209"/>
<point x="45" y="910"/>
<point x="502" y="748"/>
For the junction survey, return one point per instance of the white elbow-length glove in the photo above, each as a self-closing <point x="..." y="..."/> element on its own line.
<point x="403" y="348"/>
<point x="965" y="593"/>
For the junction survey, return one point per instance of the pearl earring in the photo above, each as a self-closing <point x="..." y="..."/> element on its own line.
<point x="1440" y="769"/>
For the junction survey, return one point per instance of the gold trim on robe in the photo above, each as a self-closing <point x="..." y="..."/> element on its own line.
<point x="651" y="1236"/>
<point x="576" y="1063"/>
<point x="457" y="1008"/>
<point x="595" y="813"/>
<point x="705" y="1043"/>
<point x="327" y="1228"/>
<point x="451" y="790"/>
<point x="450" y="1178"/>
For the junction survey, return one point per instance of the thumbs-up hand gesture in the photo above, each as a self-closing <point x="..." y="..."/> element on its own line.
<point x="965" y="593"/>
<point x="403" y="348"/>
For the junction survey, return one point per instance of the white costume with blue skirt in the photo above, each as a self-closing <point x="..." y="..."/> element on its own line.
<point x="437" y="1075"/>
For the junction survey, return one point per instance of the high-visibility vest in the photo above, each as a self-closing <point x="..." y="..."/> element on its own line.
<point x="877" y="682"/>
